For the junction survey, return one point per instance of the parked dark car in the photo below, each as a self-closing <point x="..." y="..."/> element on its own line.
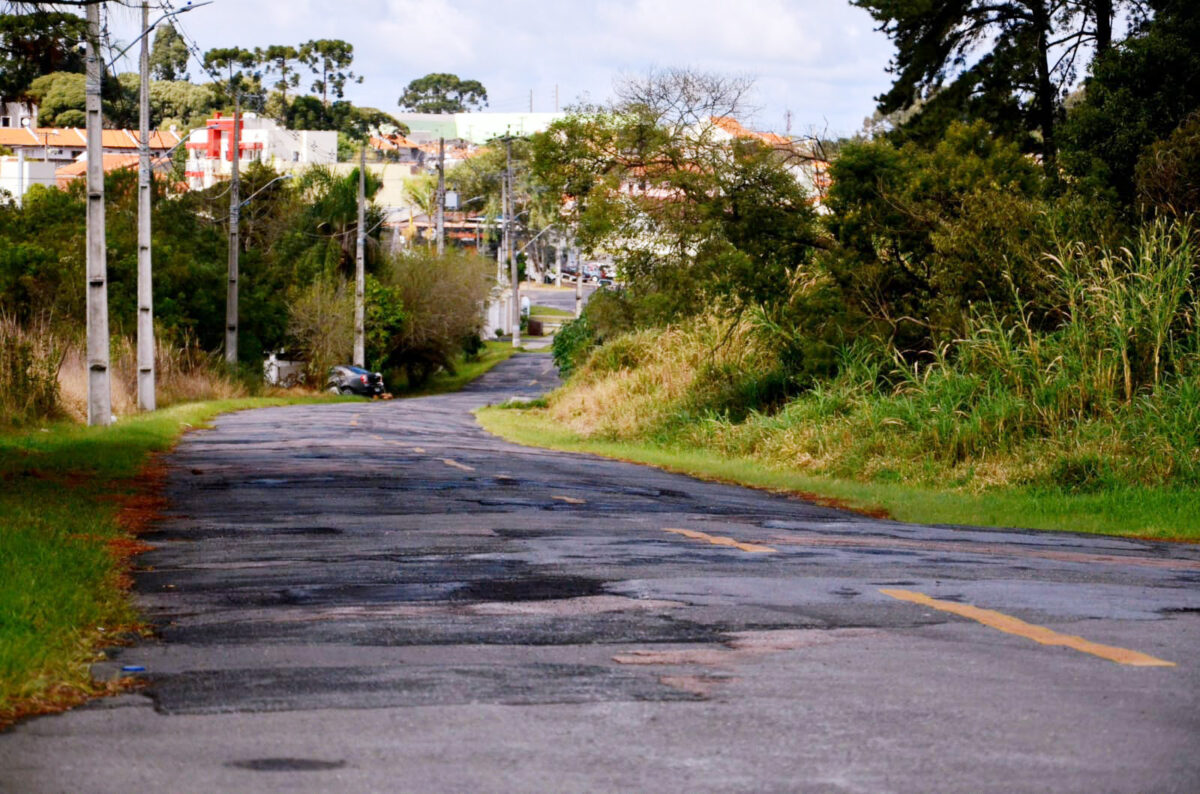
<point x="345" y="379"/>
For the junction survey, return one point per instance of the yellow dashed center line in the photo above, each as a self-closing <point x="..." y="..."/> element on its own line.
<point x="1040" y="634"/>
<point x="354" y="420"/>
<point x="718" y="540"/>
<point x="418" y="450"/>
<point x="571" y="500"/>
<point x="456" y="464"/>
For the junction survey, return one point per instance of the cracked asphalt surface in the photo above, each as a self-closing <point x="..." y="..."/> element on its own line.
<point x="383" y="597"/>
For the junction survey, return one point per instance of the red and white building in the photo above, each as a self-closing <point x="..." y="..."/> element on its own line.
<point x="210" y="149"/>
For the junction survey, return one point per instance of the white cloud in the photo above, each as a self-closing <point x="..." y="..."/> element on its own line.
<point x="818" y="58"/>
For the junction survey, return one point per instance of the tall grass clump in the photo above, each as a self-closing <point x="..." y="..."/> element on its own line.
<point x="1094" y="385"/>
<point x="30" y="358"/>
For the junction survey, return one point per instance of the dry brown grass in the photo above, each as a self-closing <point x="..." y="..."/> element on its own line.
<point x="637" y="382"/>
<point x="184" y="373"/>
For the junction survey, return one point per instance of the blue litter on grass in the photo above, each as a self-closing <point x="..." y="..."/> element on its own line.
<point x="133" y="668"/>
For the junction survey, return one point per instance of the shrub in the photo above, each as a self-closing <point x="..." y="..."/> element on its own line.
<point x="443" y="301"/>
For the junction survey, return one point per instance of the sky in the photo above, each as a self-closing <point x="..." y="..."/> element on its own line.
<point x="820" y="59"/>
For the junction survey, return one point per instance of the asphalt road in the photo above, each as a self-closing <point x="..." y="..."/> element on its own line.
<point x="382" y="597"/>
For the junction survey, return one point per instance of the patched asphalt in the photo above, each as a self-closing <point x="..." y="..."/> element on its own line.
<point x="383" y="597"/>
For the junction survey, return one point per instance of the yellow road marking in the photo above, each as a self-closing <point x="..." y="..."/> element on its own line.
<point x="457" y="465"/>
<point x="1040" y="634"/>
<point x="718" y="540"/>
<point x="415" y="449"/>
<point x="354" y="420"/>
<point x="571" y="500"/>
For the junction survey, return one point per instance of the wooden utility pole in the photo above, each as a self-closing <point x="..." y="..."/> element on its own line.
<point x="360" y="266"/>
<point x="145" y="292"/>
<point x="441" y="197"/>
<point x="99" y="391"/>
<point x="231" y="298"/>
<point x="508" y="245"/>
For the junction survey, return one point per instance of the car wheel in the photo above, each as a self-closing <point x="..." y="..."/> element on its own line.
<point x="344" y="390"/>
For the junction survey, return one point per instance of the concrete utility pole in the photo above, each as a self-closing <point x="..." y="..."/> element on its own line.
<point x="578" y="283"/>
<point x="99" y="391"/>
<point x="441" y="197"/>
<point x="508" y="245"/>
<point x="145" y="292"/>
<point x="235" y="208"/>
<point x="360" y="266"/>
<point x="500" y="256"/>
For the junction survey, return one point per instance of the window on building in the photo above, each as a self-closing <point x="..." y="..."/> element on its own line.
<point x="5" y="121"/>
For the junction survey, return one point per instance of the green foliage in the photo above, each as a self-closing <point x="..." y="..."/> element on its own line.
<point x="691" y="218"/>
<point x="169" y="55"/>
<point x="384" y="321"/>
<point x="37" y="43"/>
<point x="923" y="234"/>
<point x="1137" y="93"/>
<point x="439" y="92"/>
<point x="57" y="93"/>
<point x="1168" y="173"/>
<point x="441" y="300"/>
<point x="572" y="344"/>
<point x="990" y="61"/>
<point x="329" y="60"/>
<point x="180" y="103"/>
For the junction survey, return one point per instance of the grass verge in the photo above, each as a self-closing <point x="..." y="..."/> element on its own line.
<point x="72" y="499"/>
<point x="1156" y="513"/>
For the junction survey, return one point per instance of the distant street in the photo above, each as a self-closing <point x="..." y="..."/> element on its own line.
<point x="556" y="297"/>
<point x="383" y="597"/>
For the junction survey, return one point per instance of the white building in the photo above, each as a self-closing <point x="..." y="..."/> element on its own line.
<point x="18" y="174"/>
<point x="210" y="149"/>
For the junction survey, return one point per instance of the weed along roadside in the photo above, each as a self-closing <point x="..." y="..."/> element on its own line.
<point x="72" y="502"/>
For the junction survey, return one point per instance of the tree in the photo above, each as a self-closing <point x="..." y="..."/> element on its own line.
<point x="1137" y="93"/>
<point x="60" y="98"/>
<point x="439" y="92"/>
<point x="995" y="59"/>
<point x="37" y="43"/>
<point x="229" y="59"/>
<point x="692" y="217"/>
<point x="329" y="60"/>
<point x="169" y="55"/>
<point x="279" y="60"/>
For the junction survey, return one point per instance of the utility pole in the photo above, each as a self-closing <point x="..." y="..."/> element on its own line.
<point x="145" y="292"/>
<point x="441" y="197"/>
<point x="360" y="266"/>
<point x="500" y="260"/>
<point x="508" y="245"/>
<point x="531" y="100"/>
<point x="578" y="283"/>
<point x="556" y="97"/>
<point x="231" y="298"/>
<point x="99" y="390"/>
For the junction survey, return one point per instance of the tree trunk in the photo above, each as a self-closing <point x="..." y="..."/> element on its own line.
<point x="1102" y="11"/>
<point x="1045" y="87"/>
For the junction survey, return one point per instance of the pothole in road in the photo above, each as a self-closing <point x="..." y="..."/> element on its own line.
<point x="286" y="765"/>
<point x="530" y="588"/>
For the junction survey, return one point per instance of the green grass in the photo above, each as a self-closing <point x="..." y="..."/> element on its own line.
<point x="1159" y="513"/>
<point x="549" y="311"/>
<point x="465" y="371"/>
<point x="63" y="590"/>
